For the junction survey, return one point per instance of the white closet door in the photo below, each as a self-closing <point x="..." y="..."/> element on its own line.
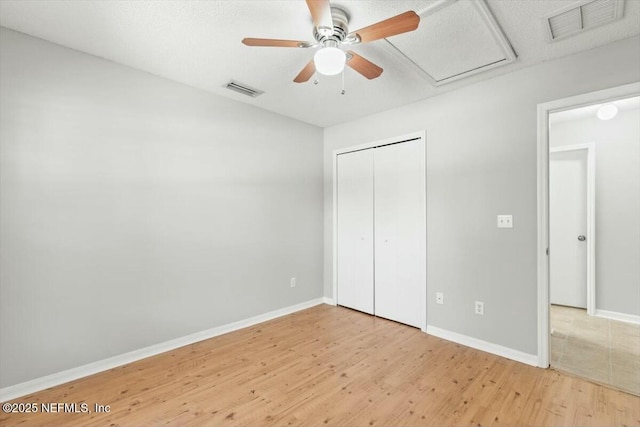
<point x="568" y="221"/>
<point x="355" y="230"/>
<point x="400" y="232"/>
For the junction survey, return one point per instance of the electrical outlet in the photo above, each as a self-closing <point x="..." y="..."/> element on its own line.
<point x="479" y="308"/>
<point x="505" y="221"/>
<point x="439" y="298"/>
<point x="293" y="282"/>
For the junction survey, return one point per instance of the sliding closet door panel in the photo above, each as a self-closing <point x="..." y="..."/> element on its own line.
<point x="400" y="232"/>
<point x="355" y="230"/>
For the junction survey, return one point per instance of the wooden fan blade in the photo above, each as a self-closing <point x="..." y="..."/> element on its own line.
<point x="364" y="66"/>
<point x="321" y="13"/>
<point x="306" y="72"/>
<point x="399" y="24"/>
<point x="273" y="42"/>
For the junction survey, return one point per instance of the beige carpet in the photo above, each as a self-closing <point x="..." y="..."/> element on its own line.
<point x="603" y="350"/>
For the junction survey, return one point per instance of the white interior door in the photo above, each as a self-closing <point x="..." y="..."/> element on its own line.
<point x="400" y="232"/>
<point x="355" y="230"/>
<point x="568" y="227"/>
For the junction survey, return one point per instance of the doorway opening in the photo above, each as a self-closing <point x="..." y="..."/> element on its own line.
<point x="589" y="236"/>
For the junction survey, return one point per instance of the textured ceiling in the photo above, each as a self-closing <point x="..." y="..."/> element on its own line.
<point x="198" y="43"/>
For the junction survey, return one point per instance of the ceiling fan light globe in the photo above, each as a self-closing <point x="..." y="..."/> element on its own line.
<point x="329" y="61"/>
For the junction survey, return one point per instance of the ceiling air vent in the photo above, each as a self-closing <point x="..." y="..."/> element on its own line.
<point x="583" y="16"/>
<point x="243" y="89"/>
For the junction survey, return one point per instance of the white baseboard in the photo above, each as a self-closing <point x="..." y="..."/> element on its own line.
<point x="38" y="384"/>
<point x="328" y="300"/>
<point x="509" y="353"/>
<point x="622" y="317"/>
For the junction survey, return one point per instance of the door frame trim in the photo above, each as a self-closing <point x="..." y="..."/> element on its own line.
<point x="422" y="134"/>
<point x="591" y="218"/>
<point x="544" y="109"/>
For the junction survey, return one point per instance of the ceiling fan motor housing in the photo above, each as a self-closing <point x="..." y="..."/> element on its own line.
<point x="339" y="31"/>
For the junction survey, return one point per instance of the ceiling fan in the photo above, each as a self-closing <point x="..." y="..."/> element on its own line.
<point x="331" y="32"/>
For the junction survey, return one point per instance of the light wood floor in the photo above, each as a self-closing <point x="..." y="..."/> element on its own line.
<point x="333" y="366"/>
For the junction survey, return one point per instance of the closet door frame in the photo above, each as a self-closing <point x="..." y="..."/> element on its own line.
<point x="394" y="140"/>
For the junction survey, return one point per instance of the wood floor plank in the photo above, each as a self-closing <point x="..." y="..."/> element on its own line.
<point x="336" y="367"/>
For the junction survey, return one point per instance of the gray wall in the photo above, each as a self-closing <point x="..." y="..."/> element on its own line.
<point x="481" y="161"/>
<point x="135" y="210"/>
<point x="617" y="147"/>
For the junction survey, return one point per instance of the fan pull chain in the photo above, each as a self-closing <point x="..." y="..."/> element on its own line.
<point x="342" y="92"/>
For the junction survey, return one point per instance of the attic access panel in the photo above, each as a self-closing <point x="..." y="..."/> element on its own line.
<point x="456" y="40"/>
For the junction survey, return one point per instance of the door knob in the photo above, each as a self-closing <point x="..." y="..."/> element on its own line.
<point x="582" y="238"/>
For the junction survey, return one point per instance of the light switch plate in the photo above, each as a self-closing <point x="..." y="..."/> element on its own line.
<point x="505" y="221"/>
